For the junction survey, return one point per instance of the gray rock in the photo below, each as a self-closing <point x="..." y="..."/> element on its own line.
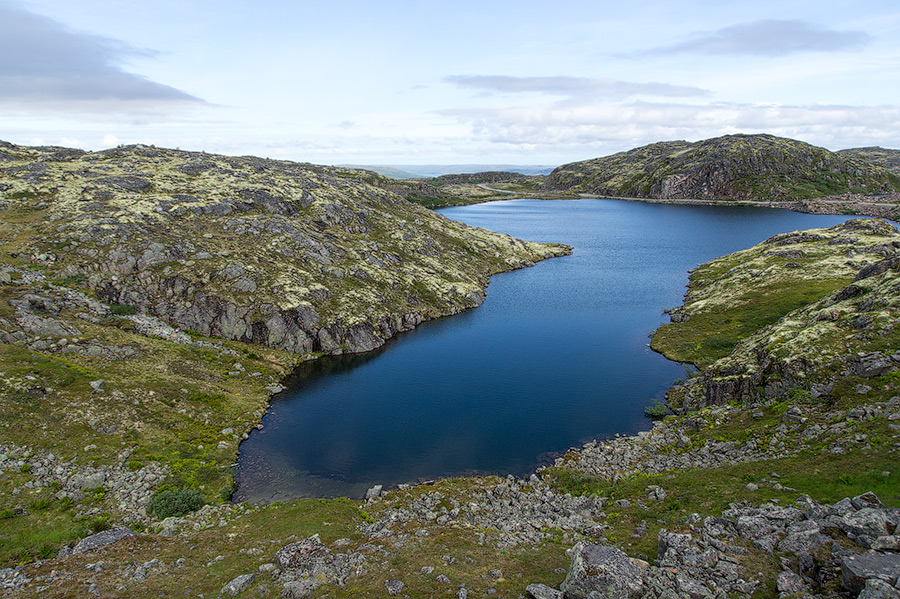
<point x="869" y="522"/>
<point x="300" y="589"/>
<point x="102" y="539"/>
<point x="312" y="559"/>
<point x="789" y="583"/>
<point x="867" y="500"/>
<point x="542" y="591"/>
<point x="886" y="543"/>
<point x="393" y="586"/>
<point x="374" y="492"/>
<point x="873" y="364"/>
<point x="857" y="569"/>
<point x="88" y="481"/>
<point x="878" y="589"/>
<point x="238" y="585"/>
<point x="47" y="327"/>
<point x="601" y="571"/>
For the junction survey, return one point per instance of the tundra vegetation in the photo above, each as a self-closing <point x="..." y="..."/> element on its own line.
<point x="151" y="300"/>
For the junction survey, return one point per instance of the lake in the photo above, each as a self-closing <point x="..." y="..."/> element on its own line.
<point x="556" y="356"/>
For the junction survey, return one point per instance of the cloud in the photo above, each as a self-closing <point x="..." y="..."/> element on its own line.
<point x="43" y="62"/>
<point x="573" y="87"/>
<point x="603" y="128"/>
<point x="766" y="38"/>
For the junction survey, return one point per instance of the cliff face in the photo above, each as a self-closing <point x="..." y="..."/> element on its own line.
<point x="734" y="167"/>
<point x="292" y="256"/>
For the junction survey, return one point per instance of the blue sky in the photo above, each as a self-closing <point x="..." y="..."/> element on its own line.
<point x="406" y="82"/>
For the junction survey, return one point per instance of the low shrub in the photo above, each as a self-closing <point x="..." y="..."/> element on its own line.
<point x="176" y="502"/>
<point x="657" y="410"/>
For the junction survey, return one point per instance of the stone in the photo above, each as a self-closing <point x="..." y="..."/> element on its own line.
<point x="867" y="500"/>
<point x="238" y="585"/>
<point x="393" y="586"/>
<point x="857" y="569"/>
<point x="374" y="492"/>
<point x="300" y="589"/>
<point x="878" y="589"/>
<point x="867" y="521"/>
<point x="310" y="558"/>
<point x="102" y="539"/>
<point x="542" y="591"/>
<point x="886" y="543"/>
<point x="601" y="571"/>
<point x="88" y="481"/>
<point x="873" y="364"/>
<point x="789" y="583"/>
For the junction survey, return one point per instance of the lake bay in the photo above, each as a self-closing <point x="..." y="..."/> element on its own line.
<point x="556" y="356"/>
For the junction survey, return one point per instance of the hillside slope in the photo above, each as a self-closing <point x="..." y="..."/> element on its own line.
<point x="883" y="157"/>
<point x="733" y="167"/>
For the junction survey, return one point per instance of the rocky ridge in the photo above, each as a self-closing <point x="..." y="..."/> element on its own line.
<point x="732" y="167"/>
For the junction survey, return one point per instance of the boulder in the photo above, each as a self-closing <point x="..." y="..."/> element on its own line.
<point x="393" y="586"/>
<point x="789" y="583"/>
<point x="857" y="569"/>
<point x="602" y="571"/>
<point x="102" y="539"/>
<point x="300" y="589"/>
<point x="238" y="585"/>
<point x="877" y="589"/>
<point x="542" y="591"/>
<point x="310" y="558"/>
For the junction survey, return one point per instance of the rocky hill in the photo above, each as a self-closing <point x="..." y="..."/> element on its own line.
<point x="151" y="301"/>
<point x="733" y="167"/>
<point x="889" y="159"/>
<point x="294" y="257"/>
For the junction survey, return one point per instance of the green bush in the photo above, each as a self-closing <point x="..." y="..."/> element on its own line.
<point x="657" y="410"/>
<point x="176" y="502"/>
<point x="123" y="309"/>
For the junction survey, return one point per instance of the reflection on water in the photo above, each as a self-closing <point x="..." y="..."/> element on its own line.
<point x="556" y="355"/>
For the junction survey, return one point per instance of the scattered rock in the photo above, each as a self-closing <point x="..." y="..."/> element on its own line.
<point x="238" y="585"/>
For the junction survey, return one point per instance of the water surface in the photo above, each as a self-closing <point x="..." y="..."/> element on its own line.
<point x="557" y="355"/>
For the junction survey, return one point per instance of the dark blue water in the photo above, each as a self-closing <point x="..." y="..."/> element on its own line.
<point x="557" y="355"/>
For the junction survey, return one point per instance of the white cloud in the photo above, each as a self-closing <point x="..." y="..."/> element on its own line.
<point x="767" y="38"/>
<point x="574" y="87"/>
<point x="608" y="127"/>
<point x="45" y="65"/>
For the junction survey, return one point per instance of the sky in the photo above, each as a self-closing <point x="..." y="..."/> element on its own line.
<point x="462" y="82"/>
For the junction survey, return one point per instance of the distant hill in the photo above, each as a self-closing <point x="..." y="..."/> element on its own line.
<point x="889" y="159"/>
<point x="736" y="167"/>
<point x="423" y="171"/>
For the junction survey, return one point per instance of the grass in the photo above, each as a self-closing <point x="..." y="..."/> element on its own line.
<point x="712" y="334"/>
